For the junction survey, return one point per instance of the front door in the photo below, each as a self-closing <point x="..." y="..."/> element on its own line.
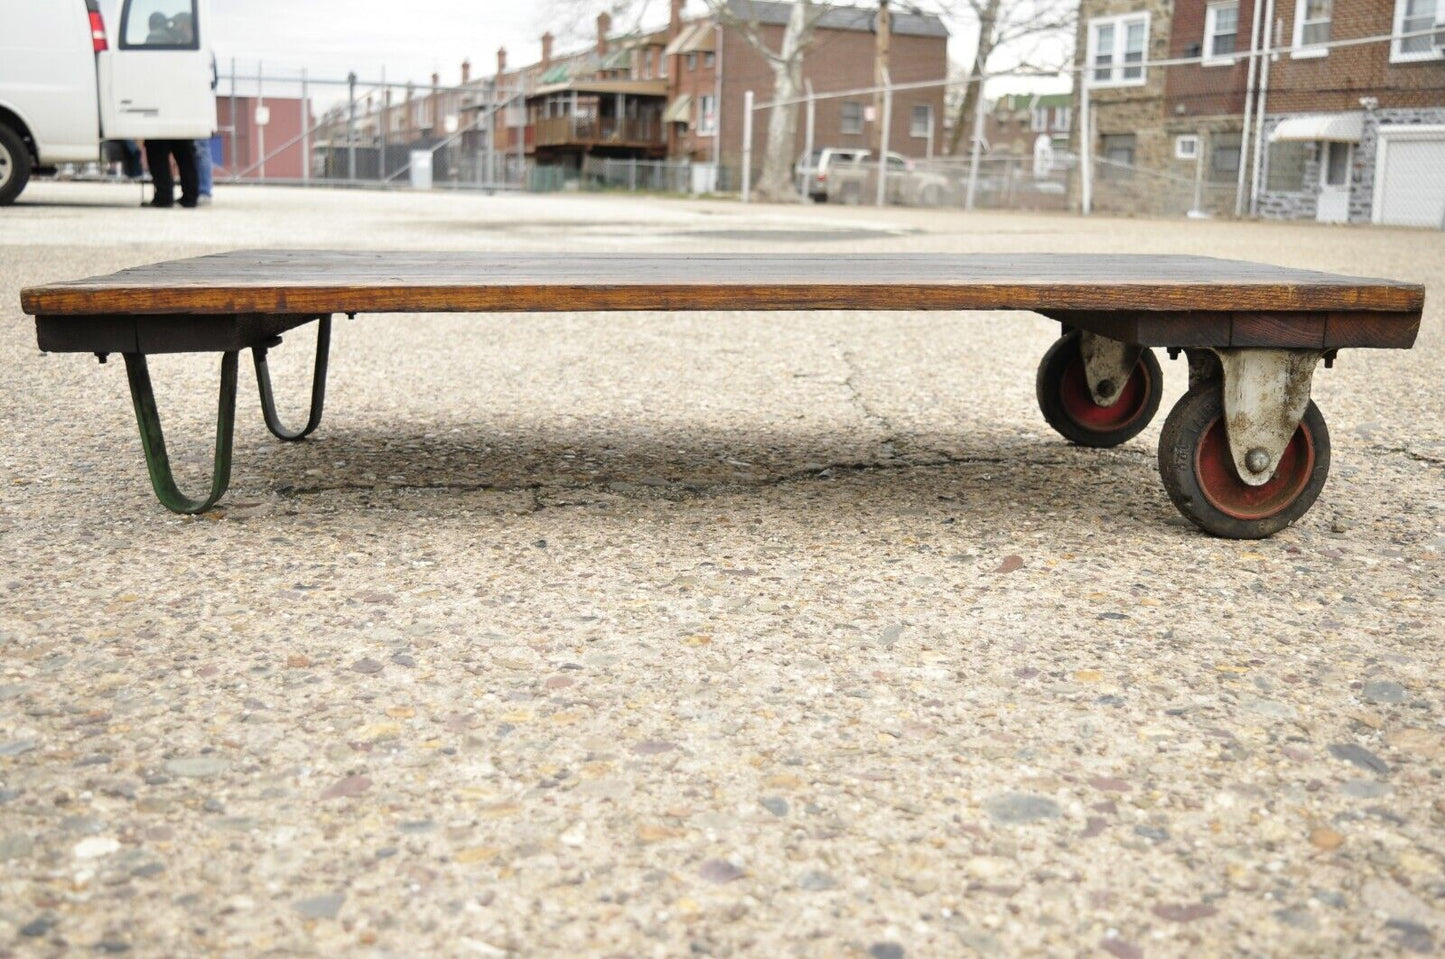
<point x="1334" y="201"/>
<point x="157" y="82"/>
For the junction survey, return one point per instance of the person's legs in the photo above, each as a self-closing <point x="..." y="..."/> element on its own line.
<point x="204" y="179"/>
<point x="158" y="158"/>
<point x="185" y="154"/>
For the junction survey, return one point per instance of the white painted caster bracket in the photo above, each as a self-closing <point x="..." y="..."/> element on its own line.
<point x="1266" y="393"/>
<point x="1108" y="364"/>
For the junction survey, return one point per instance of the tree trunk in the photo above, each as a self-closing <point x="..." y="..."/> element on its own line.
<point x="963" y="119"/>
<point x="776" y="183"/>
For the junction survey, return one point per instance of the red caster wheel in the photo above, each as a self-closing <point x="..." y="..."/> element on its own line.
<point x="1200" y="477"/>
<point x="1069" y="407"/>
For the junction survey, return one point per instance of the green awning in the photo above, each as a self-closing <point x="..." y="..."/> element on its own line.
<point x="557" y="74"/>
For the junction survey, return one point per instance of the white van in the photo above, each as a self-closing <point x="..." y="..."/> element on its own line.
<point x="64" y="87"/>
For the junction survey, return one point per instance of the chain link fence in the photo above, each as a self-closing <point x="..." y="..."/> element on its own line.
<point x="1350" y="129"/>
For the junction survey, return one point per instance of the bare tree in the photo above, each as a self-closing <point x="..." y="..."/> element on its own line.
<point x="1004" y="26"/>
<point x="786" y="62"/>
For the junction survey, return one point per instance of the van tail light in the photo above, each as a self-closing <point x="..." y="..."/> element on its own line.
<point x="97" y="32"/>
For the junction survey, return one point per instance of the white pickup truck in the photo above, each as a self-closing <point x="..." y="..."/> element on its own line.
<point x="65" y="87"/>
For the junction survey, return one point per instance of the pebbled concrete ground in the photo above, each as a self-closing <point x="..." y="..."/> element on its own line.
<point x="717" y="634"/>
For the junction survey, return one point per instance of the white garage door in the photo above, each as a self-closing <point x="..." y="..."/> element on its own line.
<point x="1410" y="177"/>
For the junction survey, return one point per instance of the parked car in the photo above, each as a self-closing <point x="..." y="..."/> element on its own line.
<point x="856" y="181"/>
<point x="813" y="170"/>
<point x="64" y="88"/>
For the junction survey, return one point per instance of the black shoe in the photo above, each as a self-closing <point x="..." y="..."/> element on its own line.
<point x="158" y="205"/>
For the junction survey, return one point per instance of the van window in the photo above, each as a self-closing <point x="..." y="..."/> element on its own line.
<point x="159" y="25"/>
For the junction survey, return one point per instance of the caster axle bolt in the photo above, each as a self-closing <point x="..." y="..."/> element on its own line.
<point x="1256" y="460"/>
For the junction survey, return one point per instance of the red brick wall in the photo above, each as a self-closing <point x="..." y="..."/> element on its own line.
<point x="838" y="60"/>
<point x="1339" y="80"/>
<point x="1205" y="90"/>
<point x="243" y="148"/>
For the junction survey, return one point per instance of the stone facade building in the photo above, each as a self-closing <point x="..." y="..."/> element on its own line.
<point x="1353" y="133"/>
<point x="1116" y="39"/>
<point x="1357" y="133"/>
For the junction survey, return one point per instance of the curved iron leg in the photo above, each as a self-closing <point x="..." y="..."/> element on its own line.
<point x="318" y="386"/>
<point x="153" y="441"/>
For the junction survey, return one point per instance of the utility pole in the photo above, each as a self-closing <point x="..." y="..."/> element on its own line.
<point x="351" y="126"/>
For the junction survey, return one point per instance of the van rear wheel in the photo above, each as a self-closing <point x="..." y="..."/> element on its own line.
<point x="14" y="165"/>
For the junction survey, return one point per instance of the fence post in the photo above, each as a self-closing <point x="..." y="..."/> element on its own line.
<point x="351" y="126"/>
<point x="305" y="131"/>
<point x="884" y="139"/>
<point x="978" y="113"/>
<point x="235" y="127"/>
<point x="1086" y="146"/>
<point x="260" y="127"/>
<point x="747" y="145"/>
<point x="806" y="185"/>
<point x="381" y="128"/>
<point x="632" y="176"/>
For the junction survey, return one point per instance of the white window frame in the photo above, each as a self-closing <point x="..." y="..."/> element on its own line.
<point x="1117" y="65"/>
<point x="1300" y="51"/>
<point x="920" y="132"/>
<point x="1211" y="16"/>
<point x="1063" y="119"/>
<point x="703" y="128"/>
<point x="1038" y="119"/>
<point x="1189" y="141"/>
<point x="1434" y="53"/>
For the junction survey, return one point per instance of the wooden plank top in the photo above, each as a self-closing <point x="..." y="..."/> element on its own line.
<point x="307" y="281"/>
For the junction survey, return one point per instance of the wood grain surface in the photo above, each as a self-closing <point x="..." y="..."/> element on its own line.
<point x="308" y="281"/>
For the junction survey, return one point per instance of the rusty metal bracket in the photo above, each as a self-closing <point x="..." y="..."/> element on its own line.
<point x="1266" y="393"/>
<point x="318" y="384"/>
<point x="1108" y="364"/>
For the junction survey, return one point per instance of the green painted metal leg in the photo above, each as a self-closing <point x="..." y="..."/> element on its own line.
<point x="318" y="385"/>
<point x="153" y="441"/>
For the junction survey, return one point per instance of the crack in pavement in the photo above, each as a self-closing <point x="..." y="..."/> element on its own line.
<point x="680" y="491"/>
<point x="1407" y="452"/>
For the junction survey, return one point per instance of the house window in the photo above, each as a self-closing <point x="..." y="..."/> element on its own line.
<point x="1413" y="16"/>
<point x="1224" y="157"/>
<point x="1186" y="147"/>
<point x="647" y="64"/>
<point x="1116" y="49"/>
<point x="1118" y="153"/>
<point x="691" y="62"/>
<point x="1039" y="119"/>
<point x="852" y="119"/>
<point x="921" y="124"/>
<point x="1063" y="119"/>
<point x="1312" y="26"/>
<point x="706" y="116"/>
<point x="1221" y="29"/>
<point x="1287" y="160"/>
<point x="709" y="59"/>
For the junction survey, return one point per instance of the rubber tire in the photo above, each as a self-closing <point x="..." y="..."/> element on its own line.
<point x="1186" y="424"/>
<point x="1052" y="368"/>
<point x="10" y="143"/>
